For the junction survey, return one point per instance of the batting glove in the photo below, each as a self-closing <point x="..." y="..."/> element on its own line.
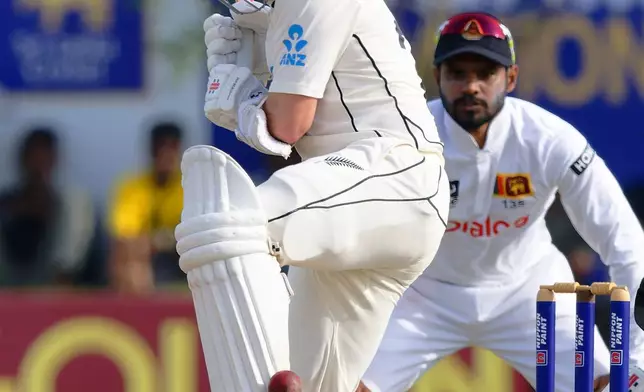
<point x="228" y="86"/>
<point x="234" y="101"/>
<point x="253" y="128"/>
<point x="223" y="40"/>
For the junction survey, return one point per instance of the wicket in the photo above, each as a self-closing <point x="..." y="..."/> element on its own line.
<point x="584" y="335"/>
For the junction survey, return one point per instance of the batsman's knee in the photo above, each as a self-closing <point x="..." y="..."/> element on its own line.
<point x="220" y="236"/>
<point x="222" y="216"/>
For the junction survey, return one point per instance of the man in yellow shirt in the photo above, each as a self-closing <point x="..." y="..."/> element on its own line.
<point x="145" y="208"/>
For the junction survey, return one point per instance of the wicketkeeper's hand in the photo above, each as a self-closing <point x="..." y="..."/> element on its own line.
<point x="601" y="382"/>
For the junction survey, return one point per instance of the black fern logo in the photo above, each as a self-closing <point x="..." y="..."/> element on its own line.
<point x="341" y="161"/>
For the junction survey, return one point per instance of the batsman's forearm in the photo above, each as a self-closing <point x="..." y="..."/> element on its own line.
<point x="289" y="116"/>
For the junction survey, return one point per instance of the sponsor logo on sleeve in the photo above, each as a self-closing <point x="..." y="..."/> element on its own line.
<point x="584" y="160"/>
<point x="294" y="44"/>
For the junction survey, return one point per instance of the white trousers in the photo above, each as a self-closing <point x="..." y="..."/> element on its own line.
<point x="435" y="319"/>
<point x="357" y="228"/>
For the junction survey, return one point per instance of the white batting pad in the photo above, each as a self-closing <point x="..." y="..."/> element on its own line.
<point x="240" y="296"/>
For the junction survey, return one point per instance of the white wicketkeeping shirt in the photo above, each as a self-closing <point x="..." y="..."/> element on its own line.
<point x="352" y="56"/>
<point x="500" y="194"/>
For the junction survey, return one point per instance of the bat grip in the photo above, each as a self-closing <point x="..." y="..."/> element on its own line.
<point x="245" y="54"/>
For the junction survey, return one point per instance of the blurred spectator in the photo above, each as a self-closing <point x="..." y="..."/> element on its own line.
<point x="46" y="228"/>
<point x="144" y="211"/>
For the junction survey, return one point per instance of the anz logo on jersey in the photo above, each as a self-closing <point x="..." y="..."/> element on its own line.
<point x="294" y="44"/>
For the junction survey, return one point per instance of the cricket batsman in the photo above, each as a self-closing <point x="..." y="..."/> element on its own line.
<point x="505" y="158"/>
<point x="357" y="221"/>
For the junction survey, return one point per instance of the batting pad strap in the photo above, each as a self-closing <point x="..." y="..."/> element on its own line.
<point x="220" y="236"/>
<point x="222" y="251"/>
<point x="199" y="223"/>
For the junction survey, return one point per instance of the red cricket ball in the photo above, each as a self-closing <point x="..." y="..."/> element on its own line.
<point x="285" y="381"/>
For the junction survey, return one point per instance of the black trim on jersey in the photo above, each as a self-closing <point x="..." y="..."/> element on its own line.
<point x="353" y="121"/>
<point x="422" y="131"/>
<point x="404" y="118"/>
<point x="312" y="205"/>
<point x="375" y="67"/>
<point x="429" y="199"/>
<point x="377" y="133"/>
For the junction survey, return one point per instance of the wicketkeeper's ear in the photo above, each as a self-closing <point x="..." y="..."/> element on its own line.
<point x="512" y="77"/>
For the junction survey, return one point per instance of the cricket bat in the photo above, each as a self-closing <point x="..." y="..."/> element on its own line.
<point x="245" y="54"/>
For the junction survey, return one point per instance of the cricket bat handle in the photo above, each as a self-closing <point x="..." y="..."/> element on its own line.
<point x="245" y="54"/>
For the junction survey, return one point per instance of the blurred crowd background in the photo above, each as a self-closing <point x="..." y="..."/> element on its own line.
<point x="98" y="99"/>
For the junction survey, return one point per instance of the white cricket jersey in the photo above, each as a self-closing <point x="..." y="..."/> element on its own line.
<point x="352" y="56"/>
<point x="496" y="231"/>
